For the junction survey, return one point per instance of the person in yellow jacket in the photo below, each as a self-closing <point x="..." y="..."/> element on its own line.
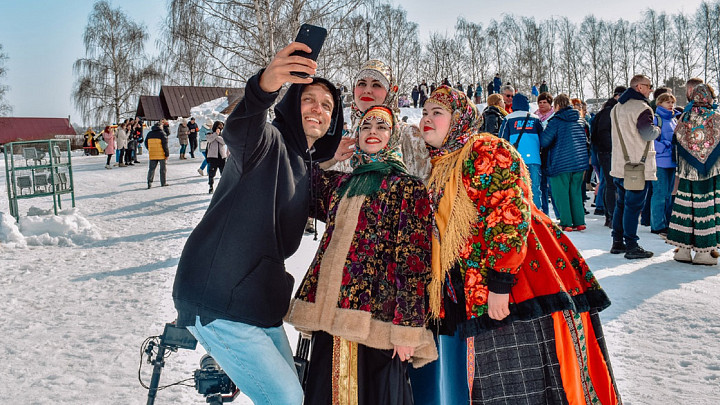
<point x="157" y="145"/>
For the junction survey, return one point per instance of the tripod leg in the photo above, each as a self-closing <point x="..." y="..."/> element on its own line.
<point x="158" y="363"/>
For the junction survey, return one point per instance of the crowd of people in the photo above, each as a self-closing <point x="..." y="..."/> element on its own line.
<point x="125" y="142"/>
<point x="448" y="284"/>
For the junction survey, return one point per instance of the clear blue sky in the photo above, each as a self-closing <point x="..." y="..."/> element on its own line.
<point x="43" y="38"/>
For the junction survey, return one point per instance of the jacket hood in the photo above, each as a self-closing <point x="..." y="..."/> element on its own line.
<point x="568" y="114"/>
<point x="631" y="94"/>
<point x="610" y="103"/>
<point x="289" y="121"/>
<point x="520" y="103"/>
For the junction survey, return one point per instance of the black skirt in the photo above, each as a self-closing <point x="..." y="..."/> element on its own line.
<point x="343" y="372"/>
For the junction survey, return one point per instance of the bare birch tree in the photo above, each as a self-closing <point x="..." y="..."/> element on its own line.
<point x="5" y="107"/>
<point x="185" y="57"/>
<point x="115" y="69"/>
<point x="399" y="42"/>
<point x="242" y="36"/>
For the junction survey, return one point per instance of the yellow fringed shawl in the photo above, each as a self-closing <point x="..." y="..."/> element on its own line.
<point x="455" y="216"/>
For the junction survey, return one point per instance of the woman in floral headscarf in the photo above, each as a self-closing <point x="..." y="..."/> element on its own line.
<point x="363" y="298"/>
<point x="694" y="221"/>
<point x="373" y="85"/>
<point x="504" y="277"/>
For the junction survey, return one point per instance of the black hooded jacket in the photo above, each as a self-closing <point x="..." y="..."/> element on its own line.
<point x="601" y="129"/>
<point x="232" y="266"/>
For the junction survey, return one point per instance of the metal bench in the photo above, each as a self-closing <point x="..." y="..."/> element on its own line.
<point x="42" y="182"/>
<point x="56" y="153"/>
<point x="60" y="179"/>
<point x="24" y="182"/>
<point x="33" y="154"/>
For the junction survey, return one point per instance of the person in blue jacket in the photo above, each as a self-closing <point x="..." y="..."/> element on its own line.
<point x="529" y="143"/>
<point x="566" y="143"/>
<point x="661" y="199"/>
<point x="497" y="82"/>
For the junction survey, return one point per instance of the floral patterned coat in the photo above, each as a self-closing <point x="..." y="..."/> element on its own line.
<point x="367" y="281"/>
<point x="514" y="248"/>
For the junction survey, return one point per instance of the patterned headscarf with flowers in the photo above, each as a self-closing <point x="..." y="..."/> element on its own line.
<point x="391" y="151"/>
<point x="370" y="168"/>
<point x="465" y="119"/>
<point x="698" y="133"/>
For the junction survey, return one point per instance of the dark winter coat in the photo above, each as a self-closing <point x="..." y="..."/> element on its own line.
<point x="232" y="266"/>
<point x="497" y="83"/>
<point x="601" y="130"/>
<point x="492" y="118"/>
<point x="415" y="94"/>
<point x="194" y="129"/>
<point x="564" y="138"/>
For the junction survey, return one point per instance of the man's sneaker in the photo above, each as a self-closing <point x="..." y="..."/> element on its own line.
<point x="599" y="211"/>
<point x="618" y="247"/>
<point x="638" y="253"/>
<point x="201" y="172"/>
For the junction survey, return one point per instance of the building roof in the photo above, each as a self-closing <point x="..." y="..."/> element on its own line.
<point x="178" y="100"/>
<point x="151" y="108"/>
<point x="33" y="128"/>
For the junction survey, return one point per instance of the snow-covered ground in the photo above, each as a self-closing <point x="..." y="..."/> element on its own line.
<point x="81" y="292"/>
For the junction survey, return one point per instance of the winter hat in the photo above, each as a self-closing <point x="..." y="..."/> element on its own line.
<point x="208" y="123"/>
<point x="520" y="103"/>
<point x="378" y="70"/>
<point x="183" y="121"/>
<point x="619" y="90"/>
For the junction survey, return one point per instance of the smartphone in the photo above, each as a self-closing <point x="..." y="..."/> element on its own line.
<point x="312" y="36"/>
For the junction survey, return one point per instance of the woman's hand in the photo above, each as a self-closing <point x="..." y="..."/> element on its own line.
<point x="345" y="149"/>
<point x="498" y="306"/>
<point x="403" y="352"/>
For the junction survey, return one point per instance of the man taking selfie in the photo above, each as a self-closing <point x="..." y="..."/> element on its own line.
<point x="231" y="288"/>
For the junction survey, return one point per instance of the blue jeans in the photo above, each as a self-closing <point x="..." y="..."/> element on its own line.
<point x="534" y="170"/>
<point x="627" y="211"/>
<point x="661" y="200"/>
<point x="600" y="196"/>
<point x="258" y="360"/>
<point x="204" y="163"/>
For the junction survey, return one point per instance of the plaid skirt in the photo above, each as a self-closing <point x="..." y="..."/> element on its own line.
<point x="559" y="358"/>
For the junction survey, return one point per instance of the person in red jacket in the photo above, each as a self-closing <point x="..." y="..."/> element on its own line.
<point x="505" y="279"/>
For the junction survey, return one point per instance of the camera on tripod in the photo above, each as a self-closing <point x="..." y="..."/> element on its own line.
<point x="210" y="380"/>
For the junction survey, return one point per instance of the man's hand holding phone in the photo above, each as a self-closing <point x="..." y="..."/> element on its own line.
<point x="280" y="69"/>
